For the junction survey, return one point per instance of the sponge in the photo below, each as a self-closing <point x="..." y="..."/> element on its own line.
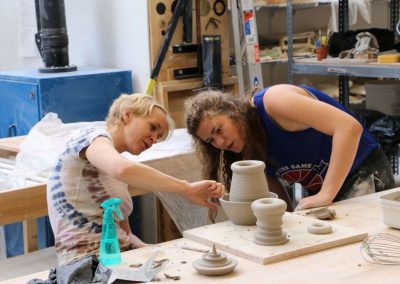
<point x="389" y="58"/>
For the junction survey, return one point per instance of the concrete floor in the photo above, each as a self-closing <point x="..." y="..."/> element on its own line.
<point x="40" y="260"/>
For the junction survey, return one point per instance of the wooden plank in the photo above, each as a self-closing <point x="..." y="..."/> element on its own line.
<point x="30" y="235"/>
<point x="238" y="240"/>
<point x="11" y="144"/>
<point x="22" y="204"/>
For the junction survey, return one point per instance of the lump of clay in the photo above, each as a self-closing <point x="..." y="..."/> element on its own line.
<point x="323" y="213"/>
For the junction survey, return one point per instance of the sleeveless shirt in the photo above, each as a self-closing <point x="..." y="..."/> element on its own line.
<point x="303" y="156"/>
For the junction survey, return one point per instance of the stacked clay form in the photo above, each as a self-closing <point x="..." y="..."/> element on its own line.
<point x="214" y="263"/>
<point x="248" y="184"/>
<point x="240" y="213"/>
<point x="269" y="213"/>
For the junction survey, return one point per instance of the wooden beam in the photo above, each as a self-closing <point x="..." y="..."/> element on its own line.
<point x="30" y="235"/>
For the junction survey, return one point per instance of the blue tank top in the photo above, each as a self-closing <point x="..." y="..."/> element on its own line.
<point x="303" y="156"/>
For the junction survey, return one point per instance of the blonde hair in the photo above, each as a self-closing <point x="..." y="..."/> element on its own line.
<point x="138" y="105"/>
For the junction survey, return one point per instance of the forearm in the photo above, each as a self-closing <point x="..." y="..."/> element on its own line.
<point x="103" y="156"/>
<point x="143" y="176"/>
<point x="344" y="149"/>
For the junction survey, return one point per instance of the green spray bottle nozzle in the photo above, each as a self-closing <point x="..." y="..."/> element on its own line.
<point x="110" y="206"/>
<point x="109" y="246"/>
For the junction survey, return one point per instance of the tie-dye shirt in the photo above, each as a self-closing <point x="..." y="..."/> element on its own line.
<point x="74" y="192"/>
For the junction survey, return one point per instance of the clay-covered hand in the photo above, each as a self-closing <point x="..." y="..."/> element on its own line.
<point x="317" y="200"/>
<point x="199" y="192"/>
<point x="135" y="241"/>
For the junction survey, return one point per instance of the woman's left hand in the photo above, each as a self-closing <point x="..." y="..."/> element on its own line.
<point x="317" y="200"/>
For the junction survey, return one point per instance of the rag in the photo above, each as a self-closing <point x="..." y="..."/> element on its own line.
<point x="366" y="43"/>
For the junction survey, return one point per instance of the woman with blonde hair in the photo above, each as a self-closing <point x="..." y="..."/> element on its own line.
<point x="91" y="169"/>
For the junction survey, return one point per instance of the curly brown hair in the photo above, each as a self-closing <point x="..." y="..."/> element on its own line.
<point x="216" y="162"/>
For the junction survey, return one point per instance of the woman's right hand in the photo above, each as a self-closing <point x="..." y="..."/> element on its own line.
<point x="200" y="192"/>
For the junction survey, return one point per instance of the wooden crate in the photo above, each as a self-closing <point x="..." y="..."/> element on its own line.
<point x="172" y="95"/>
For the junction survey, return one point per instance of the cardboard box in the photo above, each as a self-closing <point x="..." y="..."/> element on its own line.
<point x="384" y="96"/>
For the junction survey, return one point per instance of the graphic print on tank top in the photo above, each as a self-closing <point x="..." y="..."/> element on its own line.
<point x="308" y="175"/>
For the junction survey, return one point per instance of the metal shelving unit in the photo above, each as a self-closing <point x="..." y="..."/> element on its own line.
<point x="344" y="71"/>
<point x="360" y="70"/>
<point x="245" y="36"/>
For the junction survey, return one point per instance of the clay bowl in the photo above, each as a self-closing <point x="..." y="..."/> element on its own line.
<point x="240" y="213"/>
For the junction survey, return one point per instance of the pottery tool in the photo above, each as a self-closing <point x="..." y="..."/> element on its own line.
<point x="381" y="248"/>
<point x="195" y="249"/>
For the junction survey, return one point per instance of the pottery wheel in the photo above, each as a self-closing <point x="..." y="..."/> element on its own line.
<point x="214" y="263"/>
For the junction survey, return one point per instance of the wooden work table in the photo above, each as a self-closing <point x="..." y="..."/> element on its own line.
<point x="342" y="264"/>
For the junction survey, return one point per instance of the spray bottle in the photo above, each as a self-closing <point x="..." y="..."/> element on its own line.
<point x="109" y="247"/>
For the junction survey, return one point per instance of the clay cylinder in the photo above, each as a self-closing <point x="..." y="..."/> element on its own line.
<point x="248" y="181"/>
<point x="269" y="213"/>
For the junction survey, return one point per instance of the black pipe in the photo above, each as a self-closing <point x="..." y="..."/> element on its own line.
<point x="179" y="8"/>
<point x="187" y="22"/>
<point x="52" y="37"/>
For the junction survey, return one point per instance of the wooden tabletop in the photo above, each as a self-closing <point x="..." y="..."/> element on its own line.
<point x="342" y="264"/>
<point x="11" y="144"/>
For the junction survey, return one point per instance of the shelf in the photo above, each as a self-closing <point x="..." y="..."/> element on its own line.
<point x="274" y="61"/>
<point x="260" y="4"/>
<point x="370" y="70"/>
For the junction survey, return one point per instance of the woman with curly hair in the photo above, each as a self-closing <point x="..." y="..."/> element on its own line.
<point x="302" y="134"/>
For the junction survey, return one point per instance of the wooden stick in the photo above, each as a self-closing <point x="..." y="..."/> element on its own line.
<point x="194" y="249"/>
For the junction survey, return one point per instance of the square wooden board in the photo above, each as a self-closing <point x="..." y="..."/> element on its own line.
<point x="238" y="240"/>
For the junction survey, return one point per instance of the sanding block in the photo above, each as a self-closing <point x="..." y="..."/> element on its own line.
<point x="389" y="58"/>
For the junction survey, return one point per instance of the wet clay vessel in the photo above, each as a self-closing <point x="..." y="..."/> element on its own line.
<point x="248" y="181"/>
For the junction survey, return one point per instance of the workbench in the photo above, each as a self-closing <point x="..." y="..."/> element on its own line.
<point x="342" y="264"/>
